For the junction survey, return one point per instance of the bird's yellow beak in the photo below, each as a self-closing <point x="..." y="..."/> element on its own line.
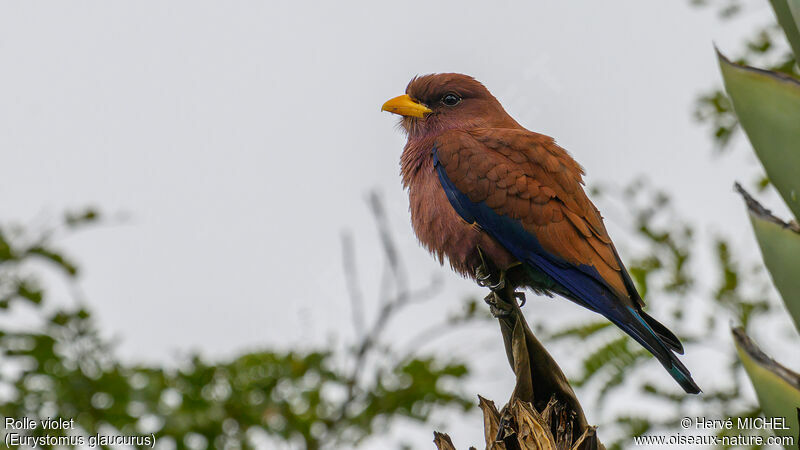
<point x="405" y="106"/>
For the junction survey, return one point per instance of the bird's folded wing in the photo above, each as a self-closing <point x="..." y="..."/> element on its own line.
<point x="526" y="177"/>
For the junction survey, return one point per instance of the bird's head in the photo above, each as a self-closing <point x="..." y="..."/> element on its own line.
<point x="443" y="101"/>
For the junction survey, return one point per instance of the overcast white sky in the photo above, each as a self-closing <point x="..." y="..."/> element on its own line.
<point x="241" y="137"/>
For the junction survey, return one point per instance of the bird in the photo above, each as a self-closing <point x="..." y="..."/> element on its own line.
<point x="490" y="196"/>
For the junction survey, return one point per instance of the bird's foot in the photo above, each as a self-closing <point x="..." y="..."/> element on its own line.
<point x="484" y="275"/>
<point x="484" y="278"/>
<point x="497" y="306"/>
<point x="501" y="282"/>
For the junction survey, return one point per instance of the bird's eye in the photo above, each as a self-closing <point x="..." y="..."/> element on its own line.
<point x="451" y="99"/>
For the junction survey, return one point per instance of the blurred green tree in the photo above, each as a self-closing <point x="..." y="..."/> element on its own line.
<point x="61" y="366"/>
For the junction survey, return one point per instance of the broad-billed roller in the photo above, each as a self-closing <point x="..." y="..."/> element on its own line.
<point x="506" y="206"/>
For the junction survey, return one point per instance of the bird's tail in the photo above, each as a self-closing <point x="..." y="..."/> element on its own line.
<point x="598" y="297"/>
<point x="659" y="341"/>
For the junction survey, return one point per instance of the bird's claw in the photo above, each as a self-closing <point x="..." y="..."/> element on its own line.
<point x="482" y="276"/>
<point x="520" y="296"/>
<point x="501" y="283"/>
<point x="500" y="308"/>
<point x="497" y="306"/>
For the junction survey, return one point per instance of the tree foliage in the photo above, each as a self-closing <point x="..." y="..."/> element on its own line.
<point x="62" y="366"/>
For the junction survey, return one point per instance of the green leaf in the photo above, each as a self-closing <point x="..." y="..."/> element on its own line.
<point x="780" y="248"/>
<point x="75" y="219"/>
<point x="28" y="290"/>
<point x="55" y="257"/>
<point x="788" y="14"/>
<point x="777" y="388"/>
<point x="582" y="331"/>
<point x="768" y="107"/>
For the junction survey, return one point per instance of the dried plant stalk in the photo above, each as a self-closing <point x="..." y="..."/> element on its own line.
<point x="543" y="412"/>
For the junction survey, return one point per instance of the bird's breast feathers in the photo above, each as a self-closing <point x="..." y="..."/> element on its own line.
<point x="441" y="230"/>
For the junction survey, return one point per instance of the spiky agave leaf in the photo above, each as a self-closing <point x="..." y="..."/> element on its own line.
<point x="794" y="8"/>
<point x="768" y="107"/>
<point x="780" y="247"/>
<point x="788" y="15"/>
<point x="777" y="388"/>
